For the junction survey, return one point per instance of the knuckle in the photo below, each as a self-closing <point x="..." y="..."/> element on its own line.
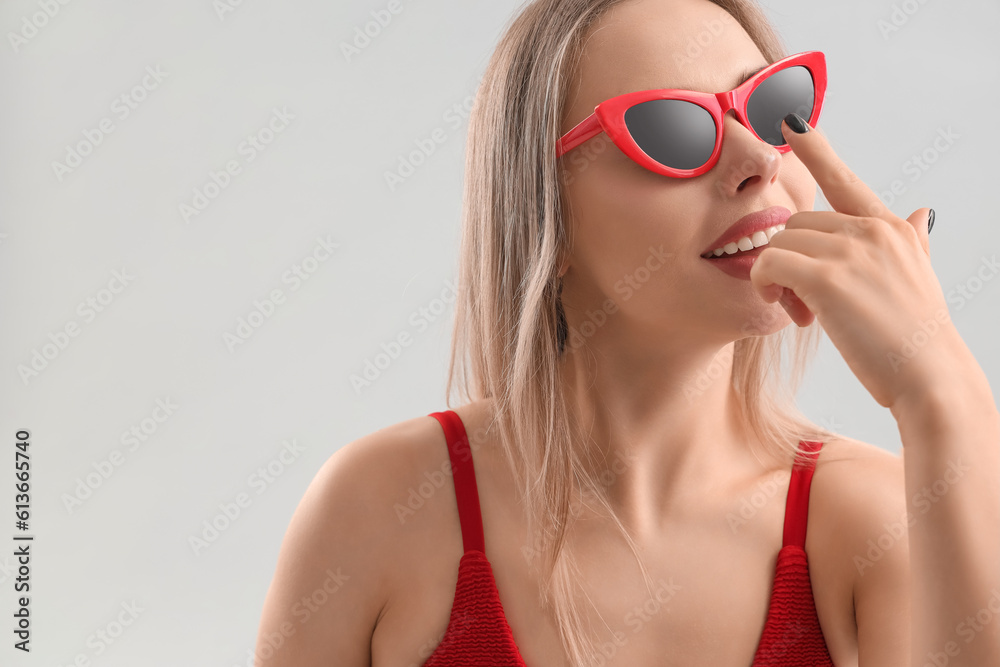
<point x="874" y="225"/>
<point x="877" y="209"/>
<point x="844" y="250"/>
<point x="857" y="226"/>
<point x="795" y="219"/>
<point x="853" y="229"/>
<point x="883" y="231"/>
<point x="844" y="175"/>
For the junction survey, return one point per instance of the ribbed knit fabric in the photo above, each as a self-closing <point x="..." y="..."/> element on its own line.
<point x="478" y="634"/>
<point x="792" y="635"/>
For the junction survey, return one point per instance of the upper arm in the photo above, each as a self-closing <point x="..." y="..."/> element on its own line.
<point x="329" y="585"/>
<point x="878" y="549"/>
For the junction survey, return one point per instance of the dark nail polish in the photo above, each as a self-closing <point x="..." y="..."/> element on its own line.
<point x="797" y="123"/>
<point x="930" y="221"/>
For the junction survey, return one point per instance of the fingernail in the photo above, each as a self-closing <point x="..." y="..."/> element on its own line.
<point x="930" y="221"/>
<point x="796" y="122"/>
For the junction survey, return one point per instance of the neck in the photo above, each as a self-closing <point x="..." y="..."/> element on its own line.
<point x="663" y="426"/>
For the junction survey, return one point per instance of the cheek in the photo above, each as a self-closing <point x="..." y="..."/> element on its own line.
<point x="618" y="210"/>
<point x="604" y="199"/>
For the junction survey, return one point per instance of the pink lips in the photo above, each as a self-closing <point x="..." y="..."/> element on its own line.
<point x="738" y="265"/>
<point x="748" y="225"/>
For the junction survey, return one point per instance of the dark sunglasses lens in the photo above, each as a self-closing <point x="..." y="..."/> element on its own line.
<point x="675" y="133"/>
<point x="777" y="96"/>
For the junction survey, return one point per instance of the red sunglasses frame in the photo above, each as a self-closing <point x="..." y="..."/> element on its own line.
<point x="609" y="115"/>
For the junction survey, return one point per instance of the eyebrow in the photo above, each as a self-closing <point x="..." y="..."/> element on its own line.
<point x="747" y="73"/>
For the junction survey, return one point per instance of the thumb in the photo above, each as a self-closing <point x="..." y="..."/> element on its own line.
<point x="922" y="220"/>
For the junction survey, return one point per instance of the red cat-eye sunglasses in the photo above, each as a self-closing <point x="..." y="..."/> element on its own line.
<point x="678" y="133"/>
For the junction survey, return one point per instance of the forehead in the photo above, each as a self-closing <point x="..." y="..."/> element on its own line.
<point x="644" y="44"/>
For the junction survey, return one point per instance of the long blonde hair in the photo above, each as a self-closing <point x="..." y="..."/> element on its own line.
<point x="510" y="330"/>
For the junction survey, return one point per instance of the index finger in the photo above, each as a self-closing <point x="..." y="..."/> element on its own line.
<point x="846" y="192"/>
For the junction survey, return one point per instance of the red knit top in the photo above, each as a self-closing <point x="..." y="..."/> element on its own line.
<point x="478" y="634"/>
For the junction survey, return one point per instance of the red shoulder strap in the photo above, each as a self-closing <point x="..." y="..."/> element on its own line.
<point x="797" y="503"/>
<point x="464" y="475"/>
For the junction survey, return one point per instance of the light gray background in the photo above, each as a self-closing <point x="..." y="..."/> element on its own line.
<point x="161" y="337"/>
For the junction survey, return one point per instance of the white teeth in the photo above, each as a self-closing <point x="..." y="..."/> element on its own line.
<point x="748" y="242"/>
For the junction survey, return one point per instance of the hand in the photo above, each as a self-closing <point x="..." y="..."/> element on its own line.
<point x="863" y="272"/>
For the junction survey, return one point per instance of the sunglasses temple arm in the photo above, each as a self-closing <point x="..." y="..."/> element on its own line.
<point x="584" y="130"/>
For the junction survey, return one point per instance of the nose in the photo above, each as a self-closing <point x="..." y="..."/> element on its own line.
<point x="745" y="159"/>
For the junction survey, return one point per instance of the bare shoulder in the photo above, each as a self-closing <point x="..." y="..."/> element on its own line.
<point x="857" y="489"/>
<point x="850" y="469"/>
<point x="399" y="482"/>
<point x="342" y="552"/>
<point x="857" y="482"/>
<point x="858" y="540"/>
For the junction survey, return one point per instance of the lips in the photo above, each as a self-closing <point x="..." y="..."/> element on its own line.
<point x="748" y="225"/>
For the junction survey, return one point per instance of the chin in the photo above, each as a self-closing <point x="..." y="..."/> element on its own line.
<point x="770" y="319"/>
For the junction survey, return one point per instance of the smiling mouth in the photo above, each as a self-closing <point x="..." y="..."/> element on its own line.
<point x="747" y="245"/>
<point x="736" y="255"/>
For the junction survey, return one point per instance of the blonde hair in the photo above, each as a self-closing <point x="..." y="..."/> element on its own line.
<point x="510" y="330"/>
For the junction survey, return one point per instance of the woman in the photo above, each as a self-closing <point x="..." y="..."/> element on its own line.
<point x="627" y="474"/>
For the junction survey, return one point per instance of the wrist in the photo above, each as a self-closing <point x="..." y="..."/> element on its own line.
<point x="948" y="379"/>
<point x="959" y="392"/>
